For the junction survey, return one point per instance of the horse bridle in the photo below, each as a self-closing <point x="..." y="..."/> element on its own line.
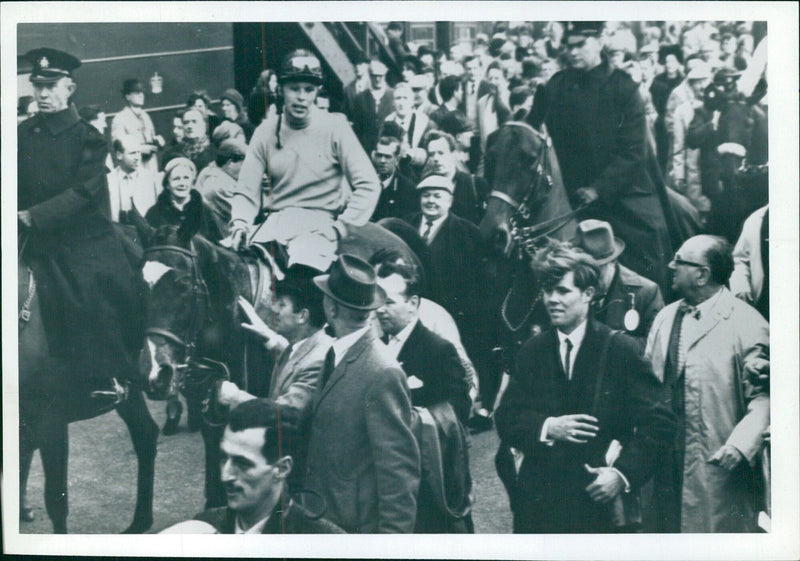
<point x="528" y="237"/>
<point x="200" y="304"/>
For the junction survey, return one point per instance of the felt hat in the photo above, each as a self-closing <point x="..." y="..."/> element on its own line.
<point x="597" y="239"/>
<point x="352" y="282"/>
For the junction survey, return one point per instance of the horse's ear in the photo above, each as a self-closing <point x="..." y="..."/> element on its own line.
<point x="192" y="221"/>
<point x="143" y="228"/>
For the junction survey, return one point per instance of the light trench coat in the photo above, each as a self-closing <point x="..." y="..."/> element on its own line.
<point x="722" y="406"/>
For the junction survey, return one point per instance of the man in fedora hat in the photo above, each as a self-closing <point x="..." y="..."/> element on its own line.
<point x="134" y="121"/>
<point x="363" y="458"/>
<point x="625" y="300"/>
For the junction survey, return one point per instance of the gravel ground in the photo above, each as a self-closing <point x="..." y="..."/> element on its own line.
<point x="102" y="479"/>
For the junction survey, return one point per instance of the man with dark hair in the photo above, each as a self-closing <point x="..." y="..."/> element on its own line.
<point x="712" y="352"/>
<point x="434" y="371"/>
<point x="583" y="415"/>
<point x="257" y="452"/>
<point x="298" y="318"/>
<point x="520" y="101"/>
<point x="363" y="458"/>
<point x="452" y="92"/>
<point x="398" y="196"/>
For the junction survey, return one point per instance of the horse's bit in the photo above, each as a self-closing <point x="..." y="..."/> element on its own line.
<point x="200" y="307"/>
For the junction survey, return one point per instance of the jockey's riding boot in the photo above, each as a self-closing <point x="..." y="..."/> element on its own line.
<point x="194" y="415"/>
<point x="174" y="410"/>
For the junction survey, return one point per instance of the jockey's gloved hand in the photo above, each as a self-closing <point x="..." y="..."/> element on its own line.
<point x="237" y="239"/>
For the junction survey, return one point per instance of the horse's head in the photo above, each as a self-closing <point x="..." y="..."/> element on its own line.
<point x="514" y="155"/>
<point x="177" y="306"/>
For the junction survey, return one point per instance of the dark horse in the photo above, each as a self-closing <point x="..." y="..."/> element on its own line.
<point x="527" y="209"/>
<point x="193" y="331"/>
<point x="743" y="150"/>
<point x="50" y="398"/>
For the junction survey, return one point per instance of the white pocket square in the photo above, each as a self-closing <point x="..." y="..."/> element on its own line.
<point x="414" y="383"/>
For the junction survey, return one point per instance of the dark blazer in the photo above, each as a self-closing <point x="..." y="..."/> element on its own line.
<point x="629" y="288"/>
<point x="363" y="458"/>
<point x="366" y="120"/>
<point x="293" y="519"/>
<point x="456" y="275"/>
<point x="399" y="199"/>
<point x="470" y="195"/>
<point x="549" y="495"/>
<point x="435" y="362"/>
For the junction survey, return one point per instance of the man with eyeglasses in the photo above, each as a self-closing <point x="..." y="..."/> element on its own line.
<point x="319" y="179"/>
<point x="712" y="352"/>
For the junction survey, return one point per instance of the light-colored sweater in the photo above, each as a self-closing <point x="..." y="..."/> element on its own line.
<point x="320" y="167"/>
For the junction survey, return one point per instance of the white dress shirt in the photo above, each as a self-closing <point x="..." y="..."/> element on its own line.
<point x="343" y="344"/>
<point x="435" y="227"/>
<point x="396" y="342"/>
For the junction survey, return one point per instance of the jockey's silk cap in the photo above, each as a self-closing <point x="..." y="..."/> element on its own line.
<point x="50" y="65"/>
<point x="352" y="282"/>
<point x="436" y="182"/>
<point x="597" y="239"/>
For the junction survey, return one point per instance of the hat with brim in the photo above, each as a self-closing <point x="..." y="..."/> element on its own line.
<point x="578" y="31"/>
<point x="50" y="65"/>
<point x="132" y="85"/>
<point x="436" y="182"/>
<point x="597" y="239"/>
<point x="352" y="283"/>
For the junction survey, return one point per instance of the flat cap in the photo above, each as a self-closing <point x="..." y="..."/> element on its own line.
<point x="436" y="182"/>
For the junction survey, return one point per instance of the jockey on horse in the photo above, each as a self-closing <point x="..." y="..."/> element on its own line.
<point x="319" y="179"/>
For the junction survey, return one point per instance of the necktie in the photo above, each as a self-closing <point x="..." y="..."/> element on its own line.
<point x="328" y="367"/>
<point x="411" y="130"/>
<point x="472" y="88"/>
<point x="568" y="343"/>
<point x="427" y="233"/>
<point x="674" y="347"/>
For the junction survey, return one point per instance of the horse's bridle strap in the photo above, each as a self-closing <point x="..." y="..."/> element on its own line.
<point x="505" y="198"/>
<point x="166" y="334"/>
<point x="176" y="248"/>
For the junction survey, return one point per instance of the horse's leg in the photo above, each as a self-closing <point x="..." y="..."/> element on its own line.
<point x="214" y="491"/>
<point x="144" y="434"/>
<point x="53" y="436"/>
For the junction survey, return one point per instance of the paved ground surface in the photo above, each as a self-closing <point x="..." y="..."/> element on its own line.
<point x="102" y="479"/>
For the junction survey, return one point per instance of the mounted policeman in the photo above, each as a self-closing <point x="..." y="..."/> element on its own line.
<point x="88" y="288"/>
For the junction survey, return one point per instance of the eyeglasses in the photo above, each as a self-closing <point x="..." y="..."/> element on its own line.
<point x="678" y="261"/>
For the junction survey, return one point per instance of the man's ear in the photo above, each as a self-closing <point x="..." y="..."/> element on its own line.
<point x="590" y="292"/>
<point x="284" y="466"/>
<point x="304" y="314"/>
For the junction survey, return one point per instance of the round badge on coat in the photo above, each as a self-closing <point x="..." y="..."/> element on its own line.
<point x="631" y="320"/>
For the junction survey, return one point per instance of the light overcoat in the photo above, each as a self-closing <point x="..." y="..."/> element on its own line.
<point x="722" y="407"/>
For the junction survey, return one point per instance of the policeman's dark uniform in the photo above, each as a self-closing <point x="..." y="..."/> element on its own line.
<point x="86" y="285"/>
<point x="597" y="122"/>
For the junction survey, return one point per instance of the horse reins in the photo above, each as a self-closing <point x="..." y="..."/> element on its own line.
<point x="528" y="237"/>
<point x="199" y="306"/>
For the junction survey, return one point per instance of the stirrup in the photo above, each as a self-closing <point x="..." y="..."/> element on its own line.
<point x="119" y="393"/>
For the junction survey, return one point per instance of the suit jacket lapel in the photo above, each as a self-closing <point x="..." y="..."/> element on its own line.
<point x="411" y="343"/>
<point x="342" y="369"/>
<point x="299" y="354"/>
